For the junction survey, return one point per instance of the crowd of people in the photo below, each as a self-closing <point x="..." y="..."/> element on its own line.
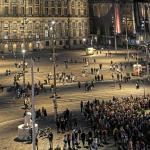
<point x="121" y="120"/>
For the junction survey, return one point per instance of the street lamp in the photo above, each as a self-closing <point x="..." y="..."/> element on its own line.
<point x="23" y="54"/>
<point x="52" y="29"/>
<point x="126" y="38"/>
<point x="84" y="41"/>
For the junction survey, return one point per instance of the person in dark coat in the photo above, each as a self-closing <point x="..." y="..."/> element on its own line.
<point x="83" y="138"/>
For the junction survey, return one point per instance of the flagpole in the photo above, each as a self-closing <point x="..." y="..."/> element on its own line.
<point x="33" y="108"/>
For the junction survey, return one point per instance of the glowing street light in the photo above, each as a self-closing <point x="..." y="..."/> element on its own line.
<point x="84" y="41"/>
<point x="52" y="29"/>
<point x="23" y="54"/>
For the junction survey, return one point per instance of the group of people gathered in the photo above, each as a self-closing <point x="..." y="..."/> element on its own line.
<point x="122" y="122"/>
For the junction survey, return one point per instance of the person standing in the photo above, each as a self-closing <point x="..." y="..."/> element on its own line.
<point x="120" y="86"/>
<point x="50" y="138"/>
<point x="83" y="138"/>
<point x="79" y="84"/>
<point x="65" y="142"/>
<point x="69" y="140"/>
<point x="38" y="69"/>
<point x="81" y="106"/>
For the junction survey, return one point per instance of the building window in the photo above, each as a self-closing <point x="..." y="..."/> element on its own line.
<point x="80" y="32"/>
<point x="74" y="42"/>
<point x="66" y="32"/>
<point x="78" y="4"/>
<point x="46" y="3"/>
<point x="14" y="10"/>
<point x="37" y="11"/>
<point x="59" y="4"/>
<point x="21" y="1"/>
<point x="60" y="43"/>
<point x="65" y="2"/>
<point x="80" y="25"/>
<point x="14" y="34"/>
<point x="84" y="12"/>
<point x="30" y="10"/>
<point x="6" y="10"/>
<point x="30" y="34"/>
<point x="37" y="36"/>
<point x="65" y="11"/>
<point x="73" y="24"/>
<point x="52" y="4"/>
<point x="22" y="10"/>
<point x="5" y="35"/>
<point x="30" y="1"/>
<point x="79" y="12"/>
<point x="59" y="11"/>
<point x="37" y="2"/>
<point x="46" y="33"/>
<point x="73" y="11"/>
<point x="47" y="43"/>
<point x="74" y="32"/>
<point x="6" y="1"/>
<point x="53" y="11"/>
<point x="14" y="26"/>
<point x="46" y="11"/>
<point x="14" y="1"/>
<point x="5" y="25"/>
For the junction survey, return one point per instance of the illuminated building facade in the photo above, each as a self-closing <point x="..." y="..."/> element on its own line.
<point x="107" y="18"/>
<point x="26" y="24"/>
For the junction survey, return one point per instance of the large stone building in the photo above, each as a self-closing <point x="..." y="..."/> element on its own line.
<point x="26" y="24"/>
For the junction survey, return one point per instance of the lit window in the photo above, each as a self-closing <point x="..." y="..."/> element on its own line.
<point x="37" y="36"/>
<point x="5" y="35"/>
<point x="46" y="33"/>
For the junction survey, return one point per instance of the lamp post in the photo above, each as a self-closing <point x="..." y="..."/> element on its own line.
<point x="52" y="29"/>
<point x="126" y="37"/>
<point x="23" y="54"/>
<point x="84" y="41"/>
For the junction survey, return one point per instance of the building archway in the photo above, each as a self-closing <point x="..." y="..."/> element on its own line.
<point x="22" y="46"/>
<point x="14" y="47"/>
<point x="30" y="46"/>
<point x="6" y="48"/>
